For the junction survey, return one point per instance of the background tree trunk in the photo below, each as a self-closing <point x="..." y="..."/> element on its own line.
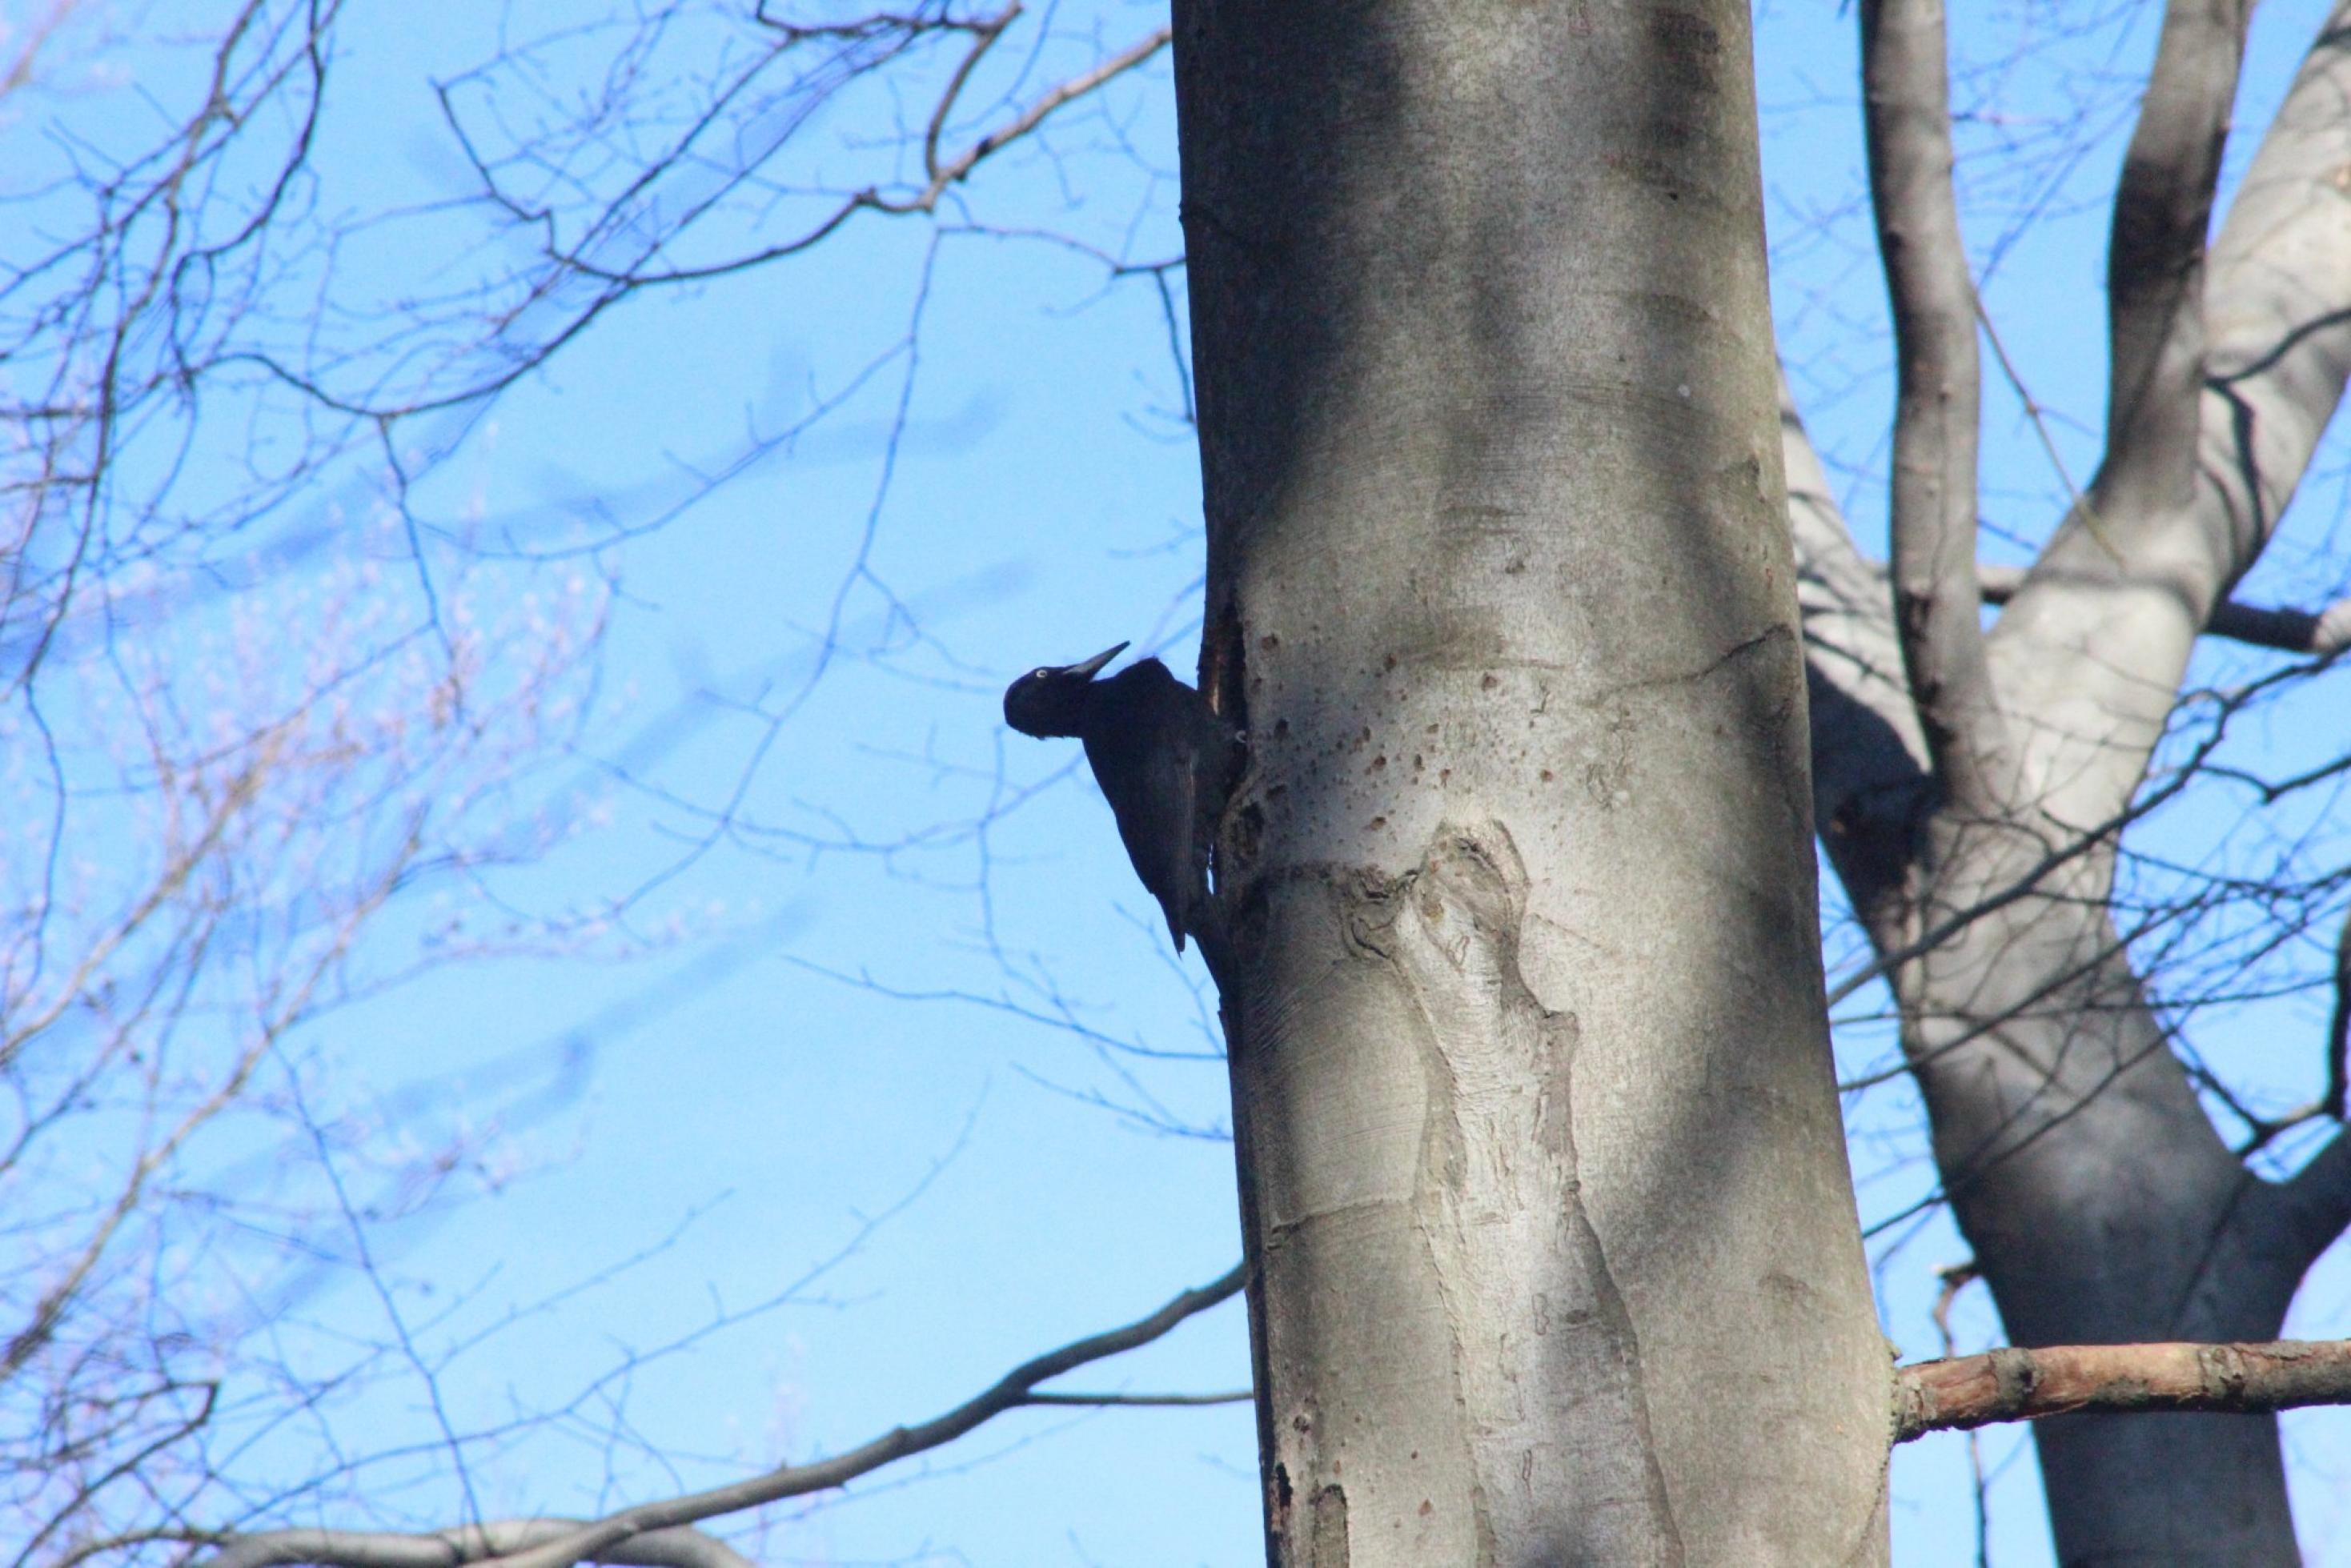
<point x="1977" y="839"/>
<point x="2101" y="1203"/>
<point x="1540" y="1162"/>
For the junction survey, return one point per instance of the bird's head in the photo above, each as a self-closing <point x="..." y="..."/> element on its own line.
<point x="1051" y="700"/>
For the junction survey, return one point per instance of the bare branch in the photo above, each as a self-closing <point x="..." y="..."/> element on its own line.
<point x="2155" y="264"/>
<point x="2328" y="631"/>
<point x="2311" y="1207"/>
<point x="1907" y="110"/>
<point x="2278" y="310"/>
<point x="21" y="69"/>
<point x="2207" y="439"/>
<point x="1142" y="1400"/>
<point x="2014" y="1385"/>
<point x="1957" y="1277"/>
<point x="1125" y="60"/>
<point x="674" y="1548"/>
<point x="2287" y="630"/>
<point x="2076" y="844"/>
<point x="938" y="177"/>
<point x="596" y="1541"/>
<point x="984" y="36"/>
<point x="2338" y="1028"/>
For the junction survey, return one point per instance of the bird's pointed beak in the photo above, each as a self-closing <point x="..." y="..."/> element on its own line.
<point x="1093" y="666"/>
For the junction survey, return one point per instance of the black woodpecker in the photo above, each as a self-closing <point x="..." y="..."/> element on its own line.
<point x="1163" y="761"/>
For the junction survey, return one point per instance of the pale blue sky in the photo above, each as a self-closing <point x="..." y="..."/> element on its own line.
<point x="968" y="1062"/>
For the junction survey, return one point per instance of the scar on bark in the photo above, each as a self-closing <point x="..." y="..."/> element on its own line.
<point x="1450" y="928"/>
<point x="1330" y="1539"/>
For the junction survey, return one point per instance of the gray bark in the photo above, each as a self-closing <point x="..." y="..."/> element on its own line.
<point x="2102" y="1204"/>
<point x="1551" y="1233"/>
<point x="1933" y="567"/>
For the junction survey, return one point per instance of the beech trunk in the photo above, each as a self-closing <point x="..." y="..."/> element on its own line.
<point x="1551" y="1239"/>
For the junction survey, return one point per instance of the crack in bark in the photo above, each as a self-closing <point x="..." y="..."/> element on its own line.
<point x="1742" y="649"/>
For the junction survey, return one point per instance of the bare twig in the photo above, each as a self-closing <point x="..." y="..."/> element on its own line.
<point x="21" y="69"/>
<point x="1029" y="119"/>
<point x="1957" y="1277"/>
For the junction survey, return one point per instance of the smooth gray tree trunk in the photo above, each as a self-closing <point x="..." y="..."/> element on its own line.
<point x="1552" y="1240"/>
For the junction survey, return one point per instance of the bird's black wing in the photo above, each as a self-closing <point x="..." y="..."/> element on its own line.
<point x="1142" y="746"/>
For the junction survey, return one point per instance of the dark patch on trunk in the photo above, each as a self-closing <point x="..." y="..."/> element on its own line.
<point x="1330" y="1543"/>
<point x="1224" y="665"/>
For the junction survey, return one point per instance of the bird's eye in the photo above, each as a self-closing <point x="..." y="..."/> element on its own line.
<point x="1038" y="675"/>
